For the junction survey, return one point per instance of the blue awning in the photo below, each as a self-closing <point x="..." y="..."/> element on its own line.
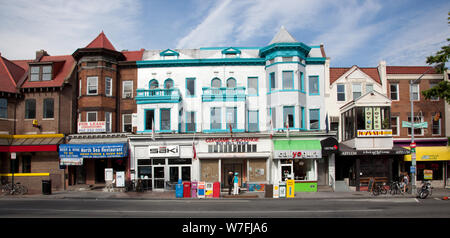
<point x="116" y="150"/>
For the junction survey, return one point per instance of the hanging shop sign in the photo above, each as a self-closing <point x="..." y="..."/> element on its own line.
<point x="374" y="133"/>
<point x="71" y="161"/>
<point x="165" y="151"/>
<point x="117" y="150"/>
<point x="92" y="127"/>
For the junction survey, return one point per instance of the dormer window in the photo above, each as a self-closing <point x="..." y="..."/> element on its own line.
<point x="40" y="72"/>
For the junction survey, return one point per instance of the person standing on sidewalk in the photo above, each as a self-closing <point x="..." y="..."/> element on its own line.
<point x="236" y="184"/>
<point x="405" y="181"/>
<point x="230" y="182"/>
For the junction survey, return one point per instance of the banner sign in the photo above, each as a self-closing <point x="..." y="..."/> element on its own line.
<point x="92" y="127"/>
<point x="374" y="133"/>
<point x="68" y="151"/>
<point x="368" y="114"/>
<point x="292" y="154"/>
<point x="165" y="151"/>
<point x="71" y="161"/>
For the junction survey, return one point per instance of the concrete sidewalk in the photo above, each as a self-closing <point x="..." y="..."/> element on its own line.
<point x="154" y="195"/>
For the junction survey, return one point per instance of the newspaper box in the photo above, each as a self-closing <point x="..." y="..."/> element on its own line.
<point x="194" y="189"/>
<point x="187" y="189"/>
<point x="216" y="189"/>
<point x="209" y="190"/>
<point x="276" y="190"/>
<point x="290" y="188"/>
<point x="201" y="190"/>
<point x="282" y="190"/>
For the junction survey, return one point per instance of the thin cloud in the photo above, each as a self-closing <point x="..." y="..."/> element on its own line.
<point x="60" y="27"/>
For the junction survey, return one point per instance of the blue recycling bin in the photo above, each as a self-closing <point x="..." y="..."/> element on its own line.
<point x="179" y="190"/>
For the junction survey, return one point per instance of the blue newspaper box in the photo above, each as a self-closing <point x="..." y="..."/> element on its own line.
<point x="179" y="190"/>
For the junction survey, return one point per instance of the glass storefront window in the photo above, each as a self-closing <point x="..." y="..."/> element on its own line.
<point x="302" y="169"/>
<point x="257" y="169"/>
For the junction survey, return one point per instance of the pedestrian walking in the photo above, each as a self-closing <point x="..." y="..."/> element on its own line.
<point x="230" y="182"/>
<point x="405" y="181"/>
<point x="236" y="184"/>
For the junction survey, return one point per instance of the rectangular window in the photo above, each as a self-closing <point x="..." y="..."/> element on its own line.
<point x="273" y="113"/>
<point x="190" y="122"/>
<point x="313" y="85"/>
<point x="127" y="89"/>
<point x="288" y="117"/>
<point x="417" y="131"/>
<point x="34" y="73"/>
<point x="252" y="84"/>
<point x="288" y="80"/>
<point x="436" y="124"/>
<point x="190" y="86"/>
<point x="127" y="125"/>
<point x="341" y="92"/>
<point x="108" y="120"/>
<point x="434" y="98"/>
<point x="314" y="116"/>
<point x="92" y="86"/>
<point x="3" y="108"/>
<point x="47" y="73"/>
<point x="394" y="92"/>
<point x="30" y="108"/>
<point x="79" y="84"/>
<point x="394" y="126"/>
<point x="149" y="119"/>
<point x="231" y="117"/>
<point x="48" y="108"/>
<point x="165" y="119"/>
<point x="253" y="121"/>
<point x="369" y="88"/>
<point x="272" y="81"/>
<point x="108" y="86"/>
<point x="414" y="92"/>
<point x="91" y="116"/>
<point x="216" y="118"/>
<point x="301" y="82"/>
<point x="356" y="89"/>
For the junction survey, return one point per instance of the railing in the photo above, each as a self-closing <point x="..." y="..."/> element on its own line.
<point x="223" y="94"/>
<point x="157" y="95"/>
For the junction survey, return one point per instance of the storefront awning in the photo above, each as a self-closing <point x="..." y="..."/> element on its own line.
<point x="431" y="153"/>
<point x="345" y="150"/>
<point x="31" y="143"/>
<point x="297" y="149"/>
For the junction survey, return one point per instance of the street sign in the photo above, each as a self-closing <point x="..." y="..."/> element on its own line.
<point x="416" y="125"/>
<point x="13" y="155"/>
<point x="413" y="169"/>
<point x="413" y="150"/>
<point x="413" y="145"/>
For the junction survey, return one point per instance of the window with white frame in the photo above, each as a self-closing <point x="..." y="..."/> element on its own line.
<point x="108" y="121"/>
<point x="340" y="92"/>
<point x="394" y="92"/>
<point x="436" y="123"/>
<point x="127" y="87"/>
<point x="288" y="79"/>
<point x="395" y="125"/>
<point x="92" y="85"/>
<point x="369" y="88"/>
<point x="127" y="125"/>
<point x="433" y="98"/>
<point x="46" y="72"/>
<point x="414" y="92"/>
<point x="91" y="116"/>
<point x="417" y="131"/>
<point x="356" y="89"/>
<point x="108" y="86"/>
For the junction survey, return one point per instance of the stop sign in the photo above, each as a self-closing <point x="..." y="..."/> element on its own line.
<point x="413" y="145"/>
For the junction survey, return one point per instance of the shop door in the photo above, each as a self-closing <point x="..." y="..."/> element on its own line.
<point x="322" y="170"/>
<point x="234" y="167"/>
<point x="158" y="178"/>
<point x="286" y="172"/>
<point x="100" y="165"/>
<point x="186" y="173"/>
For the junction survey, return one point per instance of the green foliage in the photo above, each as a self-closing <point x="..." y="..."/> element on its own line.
<point x="442" y="90"/>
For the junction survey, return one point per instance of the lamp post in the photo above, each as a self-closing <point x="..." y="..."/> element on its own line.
<point x="413" y="150"/>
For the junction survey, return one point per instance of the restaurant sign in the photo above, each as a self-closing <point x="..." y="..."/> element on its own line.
<point x="165" y="151"/>
<point x="374" y="133"/>
<point x="67" y="151"/>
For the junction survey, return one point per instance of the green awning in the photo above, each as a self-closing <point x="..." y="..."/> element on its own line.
<point x="297" y="149"/>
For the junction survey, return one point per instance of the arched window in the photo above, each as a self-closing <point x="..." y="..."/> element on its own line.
<point x="231" y="83"/>
<point x="168" y="84"/>
<point x="215" y="83"/>
<point x="153" y="84"/>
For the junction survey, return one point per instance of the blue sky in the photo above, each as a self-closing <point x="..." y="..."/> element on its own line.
<point x="354" y="32"/>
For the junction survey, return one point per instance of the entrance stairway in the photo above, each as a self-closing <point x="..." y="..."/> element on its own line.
<point x="324" y="188"/>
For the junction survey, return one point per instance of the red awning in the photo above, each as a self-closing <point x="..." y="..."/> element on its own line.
<point x="28" y="148"/>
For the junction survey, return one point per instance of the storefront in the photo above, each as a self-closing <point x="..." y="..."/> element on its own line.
<point x="432" y="164"/>
<point x="32" y="158"/>
<point x="86" y="162"/>
<point x="248" y="156"/>
<point x="358" y="166"/>
<point x="298" y="160"/>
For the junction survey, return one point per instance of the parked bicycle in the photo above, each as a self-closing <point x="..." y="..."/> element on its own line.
<point x="14" y="189"/>
<point x="395" y="188"/>
<point x="379" y="188"/>
<point x="426" y="190"/>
